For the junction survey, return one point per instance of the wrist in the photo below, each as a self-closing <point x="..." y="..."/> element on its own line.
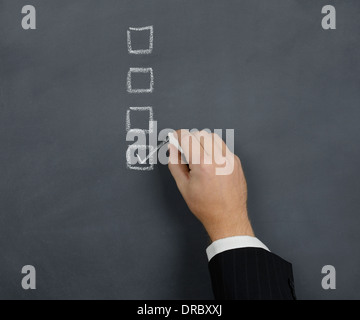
<point x="231" y="229"/>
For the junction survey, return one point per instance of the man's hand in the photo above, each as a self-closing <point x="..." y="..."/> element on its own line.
<point x="218" y="201"/>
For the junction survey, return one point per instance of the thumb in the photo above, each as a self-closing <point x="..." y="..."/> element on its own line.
<point x="179" y="171"/>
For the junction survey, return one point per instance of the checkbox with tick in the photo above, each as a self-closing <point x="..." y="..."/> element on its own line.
<point x="140" y="157"/>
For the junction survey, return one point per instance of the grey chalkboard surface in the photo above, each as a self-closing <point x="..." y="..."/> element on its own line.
<point x="96" y="230"/>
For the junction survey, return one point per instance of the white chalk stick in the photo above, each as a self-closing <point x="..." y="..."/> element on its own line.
<point x="175" y="142"/>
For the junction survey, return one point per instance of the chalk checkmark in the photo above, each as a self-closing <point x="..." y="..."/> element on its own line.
<point x="152" y="152"/>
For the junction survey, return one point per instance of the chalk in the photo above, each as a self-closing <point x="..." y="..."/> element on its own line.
<point x="174" y="142"/>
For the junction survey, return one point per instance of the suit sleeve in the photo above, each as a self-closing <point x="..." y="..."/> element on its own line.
<point x="251" y="274"/>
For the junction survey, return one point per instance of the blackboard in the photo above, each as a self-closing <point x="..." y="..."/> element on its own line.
<point x="94" y="229"/>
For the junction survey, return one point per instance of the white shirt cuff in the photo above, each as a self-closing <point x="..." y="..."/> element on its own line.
<point x="231" y="243"/>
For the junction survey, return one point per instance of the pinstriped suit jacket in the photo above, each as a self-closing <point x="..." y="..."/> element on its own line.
<point x="251" y="274"/>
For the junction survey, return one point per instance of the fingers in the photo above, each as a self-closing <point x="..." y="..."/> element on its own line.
<point x="221" y="145"/>
<point x="186" y="141"/>
<point x="179" y="171"/>
<point x="202" y="147"/>
<point x="204" y="139"/>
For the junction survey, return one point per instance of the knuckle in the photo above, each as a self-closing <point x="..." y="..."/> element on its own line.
<point x="207" y="169"/>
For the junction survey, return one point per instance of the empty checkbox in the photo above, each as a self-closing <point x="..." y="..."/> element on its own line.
<point x="140" y="119"/>
<point x="140" y="80"/>
<point x="140" y="40"/>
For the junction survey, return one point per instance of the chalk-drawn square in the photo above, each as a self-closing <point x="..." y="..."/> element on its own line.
<point x="140" y="71"/>
<point x="134" y="33"/>
<point x="135" y="160"/>
<point x="140" y="113"/>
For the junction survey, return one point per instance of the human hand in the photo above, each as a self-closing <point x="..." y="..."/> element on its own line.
<point x="218" y="201"/>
